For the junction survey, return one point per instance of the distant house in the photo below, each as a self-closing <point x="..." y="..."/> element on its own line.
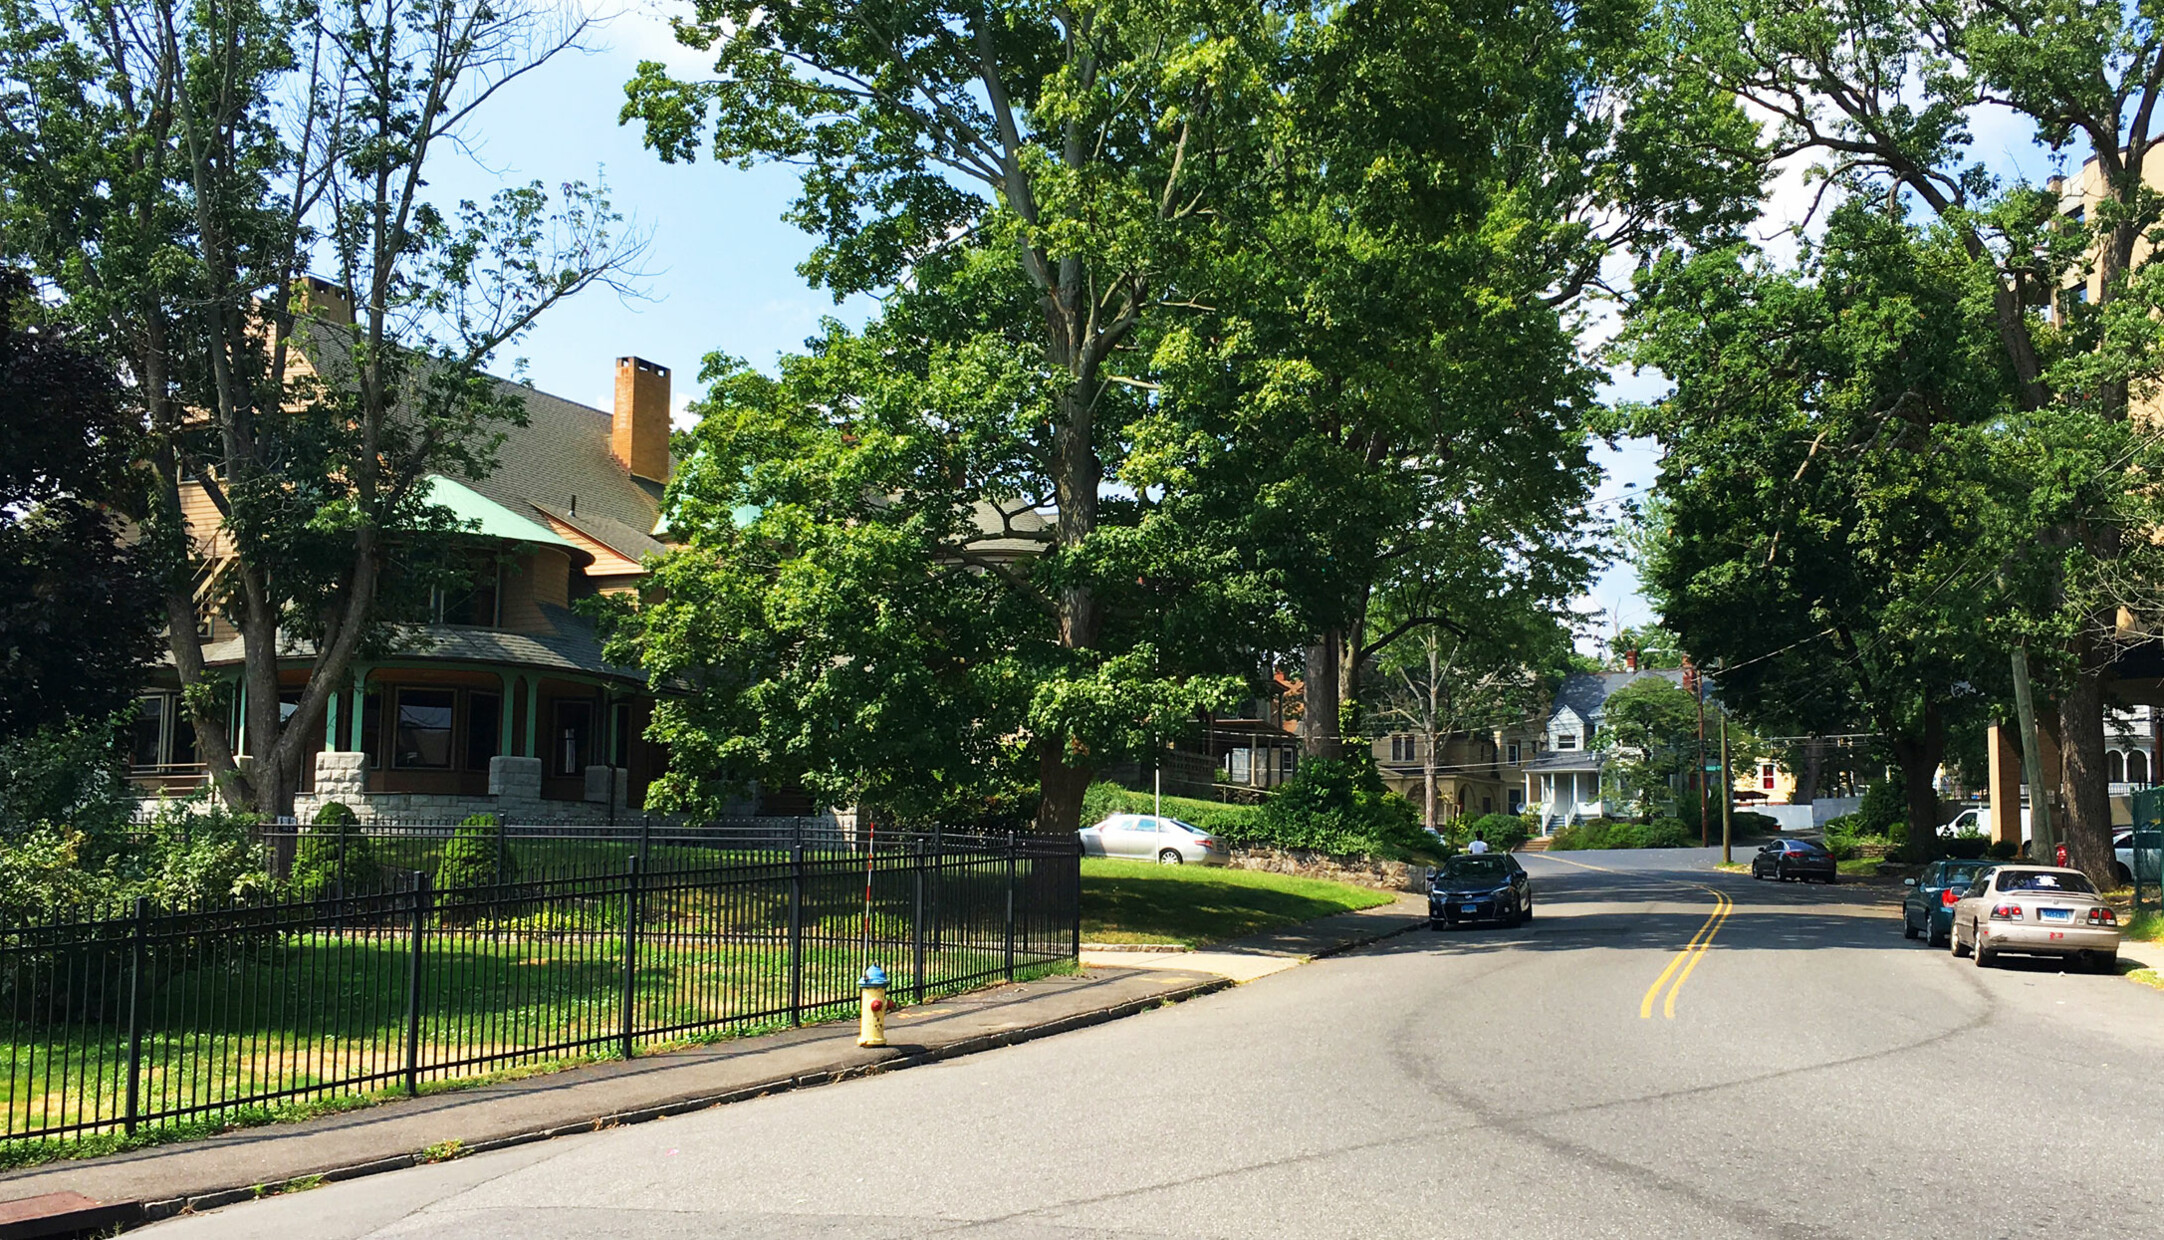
<point x="497" y="698"/>
<point x="1476" y="773"/>
<point x="1563" y="783"/>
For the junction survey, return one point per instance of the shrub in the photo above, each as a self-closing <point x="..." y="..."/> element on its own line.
<point x="1339" y="805"/>
<point x="1883" y="808"/>
<point x="200" y="854"/>
<point x="476" y="856"/>
<point x="1747" y="823"/>
<point x="2001" y="850"/>
<point x="1606" y="833"/>
<point x="43" y="876"/>
<point x="338" y="858"/>
<point x="1503" y="832"/>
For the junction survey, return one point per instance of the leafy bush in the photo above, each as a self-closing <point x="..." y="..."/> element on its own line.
<point x="1608" y="833"/>
<point x="1339" y="805"/>
<point x="42" y="875"/>
<point x="2001" y="850"/>
<point x="338" y="858"/>
<point x="201" y="855"/>
<point x="475" y="856"/>
<point x="1883" y="808"/>
<point x="1503" y="832"/>
<point x="1744" y="822"/>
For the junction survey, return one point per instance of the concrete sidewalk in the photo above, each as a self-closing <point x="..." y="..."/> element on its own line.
<point x="149" y="1184"/>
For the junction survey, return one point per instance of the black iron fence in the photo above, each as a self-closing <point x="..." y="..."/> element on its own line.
<point x="575" y="945"/>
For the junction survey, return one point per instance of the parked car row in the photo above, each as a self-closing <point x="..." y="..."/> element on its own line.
<point x="1985" y="909"/>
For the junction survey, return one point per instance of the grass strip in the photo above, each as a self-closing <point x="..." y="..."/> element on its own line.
<point x="1137" y="902"/>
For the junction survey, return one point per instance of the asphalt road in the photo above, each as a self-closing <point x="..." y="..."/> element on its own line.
<point x="1820" y="1076"/>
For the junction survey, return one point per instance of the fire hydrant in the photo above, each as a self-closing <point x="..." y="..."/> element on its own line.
<point x="872" y="1017"/>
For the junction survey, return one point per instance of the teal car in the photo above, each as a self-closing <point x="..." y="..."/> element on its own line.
<point x="1927" y="911"/>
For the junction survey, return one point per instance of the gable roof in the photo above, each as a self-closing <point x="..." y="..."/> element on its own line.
<point x="1586" y="692"/>
<point x="560" y="463"/>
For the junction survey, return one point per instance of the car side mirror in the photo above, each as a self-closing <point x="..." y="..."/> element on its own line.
<point x="1908" y="882"/>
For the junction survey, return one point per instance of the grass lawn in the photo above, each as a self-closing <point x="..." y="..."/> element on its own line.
<point x="1864" y="866"/>
<point x="1137" y="902"/>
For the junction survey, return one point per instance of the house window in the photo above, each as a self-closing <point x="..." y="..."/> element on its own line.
<point x="1517" y="800"/>
<point x="484" y="727"/>
<point x="1765" y="776"/>
<point x="161" y="735"/>
<point x="1487" y="805"/>
<point x="473" y="602"/>
<point x="147" y="740"/>
<point x="1513" y="751"/>
<point x="1566" y="740"/>
<point x="573" y="748"/>
<point x="1284" y="763"/>
<point x="423" y="740"/>
<point x="1401" y="749"/>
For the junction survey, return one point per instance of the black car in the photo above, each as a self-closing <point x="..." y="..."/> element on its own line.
<point x="1479" y="887"/>
<point x="1794" y="859"/>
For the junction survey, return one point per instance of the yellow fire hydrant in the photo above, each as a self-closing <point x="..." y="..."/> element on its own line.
<point x="872" y="1016"/>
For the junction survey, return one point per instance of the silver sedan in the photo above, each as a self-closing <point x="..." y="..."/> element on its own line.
<point x="1147" y="837"/>
<point x="2035" y="910"/>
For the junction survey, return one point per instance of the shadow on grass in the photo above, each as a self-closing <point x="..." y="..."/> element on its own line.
<point x="1134" y="902"/>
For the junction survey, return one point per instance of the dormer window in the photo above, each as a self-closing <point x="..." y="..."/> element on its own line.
<point x="1566" y="740"/>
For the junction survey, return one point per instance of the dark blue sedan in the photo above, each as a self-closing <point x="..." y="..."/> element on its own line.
<point x="1927" y="910"/>
<point x="1479" y="887"/>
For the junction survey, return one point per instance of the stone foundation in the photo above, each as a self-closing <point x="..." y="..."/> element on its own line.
<point x="1358" y="871"/>
<point x="514" y="796"/>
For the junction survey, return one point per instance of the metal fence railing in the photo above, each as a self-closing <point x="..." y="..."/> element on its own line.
<point x="146" y="1017"/>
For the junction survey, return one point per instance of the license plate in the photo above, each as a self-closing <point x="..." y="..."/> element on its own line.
<point x="1468" y="908"/>
<point x="2056" y="914"/>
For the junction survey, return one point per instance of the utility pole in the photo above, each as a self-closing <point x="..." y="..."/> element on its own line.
<point x="1698" y="683"/>
<point x="1728" y="856"/>
<point x="2032" y="763"/>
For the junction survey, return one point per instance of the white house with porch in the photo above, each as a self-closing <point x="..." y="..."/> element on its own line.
<point x="1563" y="783"/>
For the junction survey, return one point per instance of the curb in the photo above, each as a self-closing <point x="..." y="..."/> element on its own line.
<point x="155" y="1211"/>
<point x="1135" y="947"/>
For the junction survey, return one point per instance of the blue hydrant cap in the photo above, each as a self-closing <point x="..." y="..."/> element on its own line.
<point x="874" y="976"/>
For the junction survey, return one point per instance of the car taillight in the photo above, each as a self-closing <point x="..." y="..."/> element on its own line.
<point x="2006" y="912"/>
<point x="2103" y="917"/>
<point x="1949" y="897"/>
<point x="1207" y="842"/>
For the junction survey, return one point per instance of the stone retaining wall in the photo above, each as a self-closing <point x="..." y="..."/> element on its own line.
<point x="1359" y="871"/>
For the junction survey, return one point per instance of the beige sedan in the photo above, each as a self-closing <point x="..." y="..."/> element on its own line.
<point x="2035" y="910"/>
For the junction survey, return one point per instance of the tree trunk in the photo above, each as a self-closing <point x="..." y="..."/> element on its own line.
<point x="1432" y="735"/>
<point x="2082" y="786"/>
<point x="1814" y="760"/>
<point x="1918" y="755"/>
<point x="1064" y="775"/>
<point x="1319" y="713"/>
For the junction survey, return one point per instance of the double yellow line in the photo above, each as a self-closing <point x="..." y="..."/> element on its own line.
<point x="1686" y="960"/>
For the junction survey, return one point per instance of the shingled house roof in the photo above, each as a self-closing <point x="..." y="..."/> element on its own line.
<point x="560" y="464"/>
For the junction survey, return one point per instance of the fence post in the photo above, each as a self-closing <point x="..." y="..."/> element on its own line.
<point x="631" y="951"/>
<point x="413" y="983"/>
<point x="1075" y="892"/>
<point x="796" y="929"/>
<point x="135" y="1009"/>
<point x="916" y="919"/>
<point x="1014" y="843"/>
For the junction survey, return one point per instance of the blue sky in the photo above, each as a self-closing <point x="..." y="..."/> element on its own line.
<point x="723" y="266"/>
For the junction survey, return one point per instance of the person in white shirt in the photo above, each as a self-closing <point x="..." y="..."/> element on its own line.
<point x="1479" y="844"/>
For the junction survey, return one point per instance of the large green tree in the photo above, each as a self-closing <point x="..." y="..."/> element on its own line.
<point x="1828" y="469"/>
<point x="172" y="169"/>
<point x="1884" y="94"/>
<point x="1037" y="174"/>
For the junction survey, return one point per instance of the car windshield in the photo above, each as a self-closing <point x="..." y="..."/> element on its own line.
<point x="2044" y="880"/>
<point x="1188" y="827"/>
<point x="1461" y="868"/>
<point x="1804" y="846"/>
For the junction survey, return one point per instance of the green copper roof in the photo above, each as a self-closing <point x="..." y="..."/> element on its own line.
<point x="494" y="520"/>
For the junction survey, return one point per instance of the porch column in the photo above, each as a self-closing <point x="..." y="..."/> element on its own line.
<point x="359" y="700"/>
<point x="330" y="726"/>
<point x="533" y="717"/>
<point x="503" y="729"/>
<point x="2004" y="791"/>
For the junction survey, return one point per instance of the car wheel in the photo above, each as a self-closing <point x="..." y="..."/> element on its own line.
<point x="1170" y="856"/>
<point x="1437" y="923"/>
<point x="1953" y="941"/>
<point x="1908" y="930"/>
<point x="1528" y="913"/>
<point x="2106" y="962"/>
<point x="2120" y="872"/>
<point x="1932" y="937"/>
<point x="1980" y="954"/>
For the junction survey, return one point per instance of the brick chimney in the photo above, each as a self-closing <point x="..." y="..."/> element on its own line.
<point x="640" y="436"/>
<point x="1630" y="657"/>
<point x="324" y="300"/>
